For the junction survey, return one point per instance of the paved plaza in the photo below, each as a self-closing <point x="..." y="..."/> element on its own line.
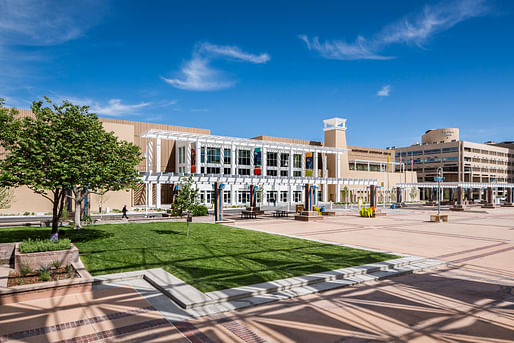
<point x="469" y="300"/>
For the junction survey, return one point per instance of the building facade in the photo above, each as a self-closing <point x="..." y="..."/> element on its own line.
<point x="280" y="166"/>
<point x="461" y="161"/>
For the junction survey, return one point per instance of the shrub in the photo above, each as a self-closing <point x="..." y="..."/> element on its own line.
<point x="20" y="280"/>
<point x="87" y="219"/>
<point x="44" y="276"/>
<point x="200" y="210"/>
<point x="70" y="271"/>
<point x="56" y="263"/>
<point x="25" y="269"/>
<point x="29" y="245"/>
<point x="26" y="213"/>
<point x="44" y="268"/>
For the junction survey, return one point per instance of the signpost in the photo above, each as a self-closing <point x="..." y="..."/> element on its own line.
<point x="439" y="178"/>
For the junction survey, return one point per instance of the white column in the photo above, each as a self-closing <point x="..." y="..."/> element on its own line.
<point x="233" y="160"/>
<point x="158" y="170"/>
<point x="252" y="162"/>
<point x="188" y="158"/>
<point x="264" y="164"/>
<point x="291" y="160"/>
<point x="233" y="199"/>
<point x="303" y="164"/>
<point x="149" y="157"/>
<point x="198" y="157"/>
<point x="222" y="160"/>
<point x="338" y="175"/>
<point x="325" y="193"/>
<point x="315" y="163"/>
<point x="325" y="169"/>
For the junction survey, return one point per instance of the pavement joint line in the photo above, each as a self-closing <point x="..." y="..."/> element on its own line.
<point x="67" y="325"/>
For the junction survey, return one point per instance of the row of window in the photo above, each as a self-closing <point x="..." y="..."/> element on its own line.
<point x="427" y="152"/>
<point x="244" y="157"/>
<point x="244" y="196"/>
<point x="246" y="171"/>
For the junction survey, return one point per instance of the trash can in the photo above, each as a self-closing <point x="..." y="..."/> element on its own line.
<point x="393" y="206"/>
<point x="322" y="209"/>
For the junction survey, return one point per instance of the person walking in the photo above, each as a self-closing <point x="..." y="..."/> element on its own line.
<point x="124" y="210"/>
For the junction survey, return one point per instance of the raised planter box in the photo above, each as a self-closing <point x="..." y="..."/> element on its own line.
<point x="36" y="259"/>
<point x="50" y="288"/>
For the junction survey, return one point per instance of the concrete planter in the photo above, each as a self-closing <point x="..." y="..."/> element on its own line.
<point x="37" y="259"/>
<point x="49" y="289"/>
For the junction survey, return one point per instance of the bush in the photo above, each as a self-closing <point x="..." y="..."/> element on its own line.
<point x="44" y="276"/>
<point x="25" y="269"/>
<point x="200" y="210"/>
<point x="29" y="245"/>
<point x="56" y="263"/>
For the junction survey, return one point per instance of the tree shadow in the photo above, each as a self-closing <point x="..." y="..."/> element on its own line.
<point x="22" y="233"/>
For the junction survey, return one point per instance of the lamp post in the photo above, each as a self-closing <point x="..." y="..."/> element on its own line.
<point x="439" y="178"/>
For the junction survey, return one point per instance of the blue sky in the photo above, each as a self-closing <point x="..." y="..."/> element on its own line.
<point x="278" y="68"/>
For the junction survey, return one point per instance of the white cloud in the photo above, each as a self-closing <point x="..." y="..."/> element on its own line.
<point x="36" y="22"/>
<point x="415" y="28"/>
<point x="115" y="108"/>
<point x="233" y="52"/>
<point x="197" y="74"/>
<point x="384" y="91"/>
<point x="199" y="110"/>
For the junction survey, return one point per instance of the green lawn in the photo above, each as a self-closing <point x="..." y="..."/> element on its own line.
<point x="213" y="257"/>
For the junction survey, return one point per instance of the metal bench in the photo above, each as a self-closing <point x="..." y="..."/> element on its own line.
<point x="280" y="213"/>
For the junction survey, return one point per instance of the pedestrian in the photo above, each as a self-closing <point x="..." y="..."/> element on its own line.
<point x="124" y="210"/>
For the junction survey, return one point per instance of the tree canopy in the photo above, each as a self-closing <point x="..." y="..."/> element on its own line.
<point x="64" y="147"/>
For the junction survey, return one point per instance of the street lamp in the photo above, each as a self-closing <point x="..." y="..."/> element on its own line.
<point x="439" y="178"/>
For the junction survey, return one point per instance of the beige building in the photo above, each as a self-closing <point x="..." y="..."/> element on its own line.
<point x="280" y="159"/>
<point x="461" y="161"/>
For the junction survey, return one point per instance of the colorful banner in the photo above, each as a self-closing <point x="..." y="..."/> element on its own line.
<point x="193" y="160"/>
<point x="257" y="161"/>
<point x="308" y="164"/>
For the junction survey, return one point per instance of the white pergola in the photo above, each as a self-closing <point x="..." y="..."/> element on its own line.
<point x="157" y="177"/>
<point x="453" y="185"/>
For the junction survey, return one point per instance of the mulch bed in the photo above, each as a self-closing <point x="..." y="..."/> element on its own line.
<point x="16" y="279"/>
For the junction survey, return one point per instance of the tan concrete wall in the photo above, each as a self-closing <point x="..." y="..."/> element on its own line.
<point x="288" y="140"/>
<point x="440" y="136"/>
<point x="26" y="200"/>
<point x="369" y="154"/>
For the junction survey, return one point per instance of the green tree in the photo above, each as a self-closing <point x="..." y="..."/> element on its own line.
<point x="187" y="197"/>
<point x="64" y="147"/>
<point x="345" y="194"/>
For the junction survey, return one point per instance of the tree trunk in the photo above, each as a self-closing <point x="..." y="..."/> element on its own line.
<point x="78" y="201"/>
<point x="55" y="213"/>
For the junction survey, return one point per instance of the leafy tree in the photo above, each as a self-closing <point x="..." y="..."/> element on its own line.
<point x="64" y="148"/>
<point x="187" y="197"/>
<point x="5" y="197"/>
<point x="186" y="200"/>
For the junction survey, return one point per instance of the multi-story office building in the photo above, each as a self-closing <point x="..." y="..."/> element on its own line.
<point x="461" y="161"/>
<point x="280" y="166"/>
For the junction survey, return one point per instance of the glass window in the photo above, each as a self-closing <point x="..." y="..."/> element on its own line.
<point x="271" y="196"/>
<point x="213" y="170"/>
<point x="202" y="157"/>
<point x="453" y="149"/>
<point x="284" y="160"/>
<point x="297" y="173"/>
<point x="284" y="173"/>
<point x="226" y="197"/>
<point x="432" y="151"/>
<point x="244" y="158"/>
<point x="213" y="155"/>
<point x="297" y="196"/>
<point x="227" y="158"/>
<point x="451" y="159"/>
<point x="272" y="159"/>
<point x="417" y="153"/>
<point x="283" y="196"/>
<point x="243" y="197"/>
<point x="271" y="172"/>
<point x="243" y="171"/>
<point x="297" y="161"/>
<point x="226" y="171"/>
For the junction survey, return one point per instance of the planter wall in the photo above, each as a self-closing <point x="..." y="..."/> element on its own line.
<point x="36" y="259"/>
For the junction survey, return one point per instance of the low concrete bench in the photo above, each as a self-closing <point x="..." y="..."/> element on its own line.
<point x="248" y="214"/>
<point x="437" y="218"/>
<point x="280" y="213"/>
<point x="328" y="213"/>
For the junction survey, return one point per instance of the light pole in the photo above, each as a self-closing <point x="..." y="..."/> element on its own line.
<point x="439" y="178"/>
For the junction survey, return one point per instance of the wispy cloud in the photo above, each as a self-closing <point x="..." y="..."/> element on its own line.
<point x="233" y="52"/>
<point x="199" y="110"/>
<point x="111" y="108"/>
<point x="415" y="28"/>
<point x="35" y="22"/>
<point x="197" y="74"/>
<point x="384" y="91"/>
